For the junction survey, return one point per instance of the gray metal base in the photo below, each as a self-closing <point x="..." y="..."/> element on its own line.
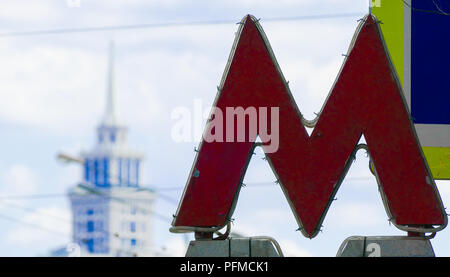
<point x="397" y="246"/>
<point x="234" y="247"/>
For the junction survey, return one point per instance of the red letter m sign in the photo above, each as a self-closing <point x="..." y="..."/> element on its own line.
<point x="366" y="99"/>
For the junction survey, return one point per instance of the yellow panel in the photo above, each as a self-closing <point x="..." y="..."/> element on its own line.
<point x="390" y="13"/>
<point x="438" y="159"/>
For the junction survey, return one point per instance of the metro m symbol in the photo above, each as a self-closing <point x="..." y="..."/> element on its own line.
<point x="365" y="99"/>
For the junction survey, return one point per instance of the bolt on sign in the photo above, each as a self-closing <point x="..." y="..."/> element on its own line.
<point x="417" y="35"/>
<point x="366" y="99"/>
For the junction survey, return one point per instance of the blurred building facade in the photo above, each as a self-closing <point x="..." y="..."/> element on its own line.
<point x="111" y="210"/>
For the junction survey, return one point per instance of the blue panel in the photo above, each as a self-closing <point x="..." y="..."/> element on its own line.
<point x="90" y="245"/>
<point x="430" y="64"/>
<point x="133" y="242"/>
<point x="105" y="172"/>
<point x="128" y="172"/>
<point x="133" y="227"/>
<point x="90" y="226"/>
<point x="137" y="172"/>
<point x="86" y="170"/>
<point x="96" y="169"/>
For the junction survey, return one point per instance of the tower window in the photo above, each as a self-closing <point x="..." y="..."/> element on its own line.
<point x="86" y="170"/>
<point x="96" y="171"/>
<point x="90" y="245"/>
<point x="90" y="212"/>
<point x="90" y="226"/>
<point x="113" y="137"/>
<point x="133" y="227"/>
<point x="105" y="172"/>
<point x="137" y="172"/>
<point x="128" y="172"/>
<point x="133" y="242"/>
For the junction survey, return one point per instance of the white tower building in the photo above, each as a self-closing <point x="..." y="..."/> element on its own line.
<point x="111" y="210"/>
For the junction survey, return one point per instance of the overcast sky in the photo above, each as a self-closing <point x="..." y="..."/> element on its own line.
<point x="52" y="90"/>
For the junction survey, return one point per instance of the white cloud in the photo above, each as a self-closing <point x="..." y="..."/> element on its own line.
<point x="50" y="87"/>
<point x="274" y="216"/>
<point x="444" y="191"/>
<point x="174" y="247"/>
<point x="356" y="215"/>
<point x="18" y="179"/>
<point x="24" y="10"/>
<point x="291" y="249"/>
<point x="54" y="226"/>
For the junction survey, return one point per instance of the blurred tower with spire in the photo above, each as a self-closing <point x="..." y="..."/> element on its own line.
<point x="111" y="210"/>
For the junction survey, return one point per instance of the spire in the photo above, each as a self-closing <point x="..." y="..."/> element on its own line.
<point x="110" y="117"/>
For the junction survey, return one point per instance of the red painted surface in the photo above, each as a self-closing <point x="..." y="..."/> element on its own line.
<point x="365" y="100"/>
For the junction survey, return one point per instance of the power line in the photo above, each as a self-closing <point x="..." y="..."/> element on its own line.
<point x="168" y="24"/>
<point x="40" y="227"/>
<point x="34" y="226"/>
<point x="24" y="208"/>
<point x="36" y="211"/>
<point x="157" y="190"/>
<point x="58" y="195"/>
<point x="96" y="192"/>
<point x="264" y="184"/>
<point x="32" y="196"/>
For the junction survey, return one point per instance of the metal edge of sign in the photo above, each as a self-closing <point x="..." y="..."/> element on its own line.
<point x="183" y="229"/>
<point x="430" y="176"/>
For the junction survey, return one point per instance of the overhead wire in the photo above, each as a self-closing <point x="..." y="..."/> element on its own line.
<point x="39" y="226"/>
<point x="157" y="190"/>
<point x="168" y="24"/>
